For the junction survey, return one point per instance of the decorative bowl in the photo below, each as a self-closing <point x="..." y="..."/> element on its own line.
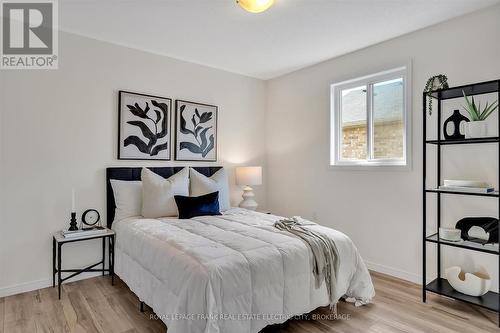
<point x="472" y="284"/>
<point x="450" y="234"/>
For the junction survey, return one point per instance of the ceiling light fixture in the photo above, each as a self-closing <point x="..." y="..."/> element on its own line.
<point x="255" y="6"/>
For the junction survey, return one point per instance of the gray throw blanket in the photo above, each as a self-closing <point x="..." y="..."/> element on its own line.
<point x="325" y="254"/>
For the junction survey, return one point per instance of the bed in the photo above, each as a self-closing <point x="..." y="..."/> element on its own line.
<point x="229" y="273"/>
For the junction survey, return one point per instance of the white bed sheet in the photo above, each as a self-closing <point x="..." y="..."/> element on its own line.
<point x="229" y="273"/>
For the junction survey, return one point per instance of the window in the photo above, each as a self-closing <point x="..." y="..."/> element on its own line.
<point x="369" y="120"/>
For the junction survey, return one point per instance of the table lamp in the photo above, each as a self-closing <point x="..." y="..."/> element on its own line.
<point x="247" y="176"/>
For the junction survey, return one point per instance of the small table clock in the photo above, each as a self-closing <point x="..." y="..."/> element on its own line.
<point x="91" y="218"/>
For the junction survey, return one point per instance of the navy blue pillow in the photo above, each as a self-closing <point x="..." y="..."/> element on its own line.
<point x="203" y="205"/>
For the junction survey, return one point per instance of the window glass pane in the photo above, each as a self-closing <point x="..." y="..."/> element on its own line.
<point x="388" y="108"/>
<point x="354" y="124"/>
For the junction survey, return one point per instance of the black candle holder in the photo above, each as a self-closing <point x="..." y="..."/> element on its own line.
<point x="72" y="223"/>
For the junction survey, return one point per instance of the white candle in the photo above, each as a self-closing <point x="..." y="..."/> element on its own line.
<point x="73" y="200"/>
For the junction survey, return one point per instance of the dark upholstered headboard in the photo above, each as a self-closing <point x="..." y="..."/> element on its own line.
<point x="131" y="174"/>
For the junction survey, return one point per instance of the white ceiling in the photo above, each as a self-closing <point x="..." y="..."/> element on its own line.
<point x="291" y="35"/>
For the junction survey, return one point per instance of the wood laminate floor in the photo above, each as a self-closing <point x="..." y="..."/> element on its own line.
<point x="93" y="305"/>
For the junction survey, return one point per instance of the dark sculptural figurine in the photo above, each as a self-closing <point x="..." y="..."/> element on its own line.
<point x="456" y="118"/>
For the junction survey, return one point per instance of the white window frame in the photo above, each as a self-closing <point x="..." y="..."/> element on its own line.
<point x="336" y="121"/>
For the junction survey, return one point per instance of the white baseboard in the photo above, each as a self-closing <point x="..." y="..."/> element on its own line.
<point x="24" y="287"/>
<point x="412" y="277"/>
<point x="39" y="284"/>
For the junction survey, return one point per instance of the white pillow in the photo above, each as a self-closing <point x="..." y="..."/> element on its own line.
<point x="128" y="198"/>
<point x="158" y="192"/>
<point x="201" y="184"/>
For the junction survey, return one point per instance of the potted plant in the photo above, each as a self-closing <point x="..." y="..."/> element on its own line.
<point x="477" y="127"/>
<point x="435" y="82"/>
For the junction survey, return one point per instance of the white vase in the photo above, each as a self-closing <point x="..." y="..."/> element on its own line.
<point x="473" y="284"/>
<point x="475" y="129"/>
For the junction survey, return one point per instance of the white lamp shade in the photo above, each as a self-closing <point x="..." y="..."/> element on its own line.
<point x="249" y="175"/>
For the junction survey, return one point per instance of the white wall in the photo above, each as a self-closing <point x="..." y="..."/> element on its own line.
<point x="59" y="130"/>
<point x="380" y="210"/>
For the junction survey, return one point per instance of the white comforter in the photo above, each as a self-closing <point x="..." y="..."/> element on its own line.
<point x="233" y="273"/>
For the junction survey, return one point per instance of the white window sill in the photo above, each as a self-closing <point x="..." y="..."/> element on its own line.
<point x="363" y="166"/>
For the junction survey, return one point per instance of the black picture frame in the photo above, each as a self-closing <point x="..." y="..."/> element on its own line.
<point x="120" y="148"/>
<point x="178" y="134"/>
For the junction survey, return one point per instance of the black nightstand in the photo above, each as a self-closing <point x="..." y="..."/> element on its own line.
<point x="58" y="240"/>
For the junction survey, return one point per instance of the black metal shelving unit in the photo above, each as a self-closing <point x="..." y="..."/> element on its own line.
<point x="440" y="286"/>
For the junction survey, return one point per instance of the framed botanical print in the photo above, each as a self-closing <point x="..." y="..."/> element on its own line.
<point x="143" y="127"/>
<point x="195" y="131"/>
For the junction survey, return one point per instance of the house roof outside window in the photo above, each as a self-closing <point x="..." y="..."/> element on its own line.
<point x="388" y="104"/>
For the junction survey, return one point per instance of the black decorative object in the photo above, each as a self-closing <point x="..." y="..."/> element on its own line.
<point x="143" y="127"/>
<point x="195" y="131"/>
<point x="72" y="223"/>
<point x="91" y="217"/>
<point x="456" y="118"/>
<point x="439" y="285"/>
<point x="488" y="224"/>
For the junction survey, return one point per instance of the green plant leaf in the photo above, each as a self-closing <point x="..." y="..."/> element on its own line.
<point x="471" y="112"/>
<point x="473" y="103"/>
<point x="489" y="110"/>
<point x="475" y="111"/>
<point x="483" y="112"/>
<point x="470" y="108"/>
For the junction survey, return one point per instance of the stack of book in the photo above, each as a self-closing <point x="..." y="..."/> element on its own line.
<point x="469" y="186"/>
<point x="83" y="232"/>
